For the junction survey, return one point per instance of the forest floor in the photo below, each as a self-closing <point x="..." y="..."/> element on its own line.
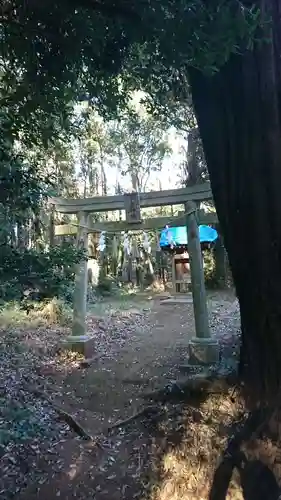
<point x="169" y="452"/>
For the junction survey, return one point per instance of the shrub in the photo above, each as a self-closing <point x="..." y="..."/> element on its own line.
<point x="39" y="274"/>
<point x="56" y="312"/>
<point x="104" y="286"/>
<point x="210" y="269"/>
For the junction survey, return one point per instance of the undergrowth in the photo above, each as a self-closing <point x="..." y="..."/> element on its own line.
<point x="54" y="311"/>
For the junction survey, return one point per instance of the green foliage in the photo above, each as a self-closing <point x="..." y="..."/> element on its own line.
<point x="49" y="51"/>
<point x="214" y="274"/>
<point x="94" y="150"/>
<point x="134" y="146"/>
<point x="139" y="146"/>
<point x="210" y="269"/>
<point x="57" y="51"/>
<point x="197" y="34"/>
<point x="48" y="273"/>
<point x="104" y="286"/>
<point x="21" y="189"/>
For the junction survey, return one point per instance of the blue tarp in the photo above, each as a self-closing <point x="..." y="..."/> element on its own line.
<point x="177" y="236"/>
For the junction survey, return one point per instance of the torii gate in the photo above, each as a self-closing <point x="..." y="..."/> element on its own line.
<point x="132" y="203"/>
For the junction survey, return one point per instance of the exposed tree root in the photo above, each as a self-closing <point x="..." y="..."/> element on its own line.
<point x="72" y="422"/>
<point x="67" y="417"/>
<point x="86" y="363"/>
<point x="144" y="412"/>
<point x="136" y="381"/>
<point x="194" y="385"/>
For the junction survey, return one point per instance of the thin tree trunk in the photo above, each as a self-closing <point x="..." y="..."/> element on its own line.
<point x="97" y="182"/>
<point x="52" y="226"/>
<point x="192" y="170"/>
<point x="135" y="179"/>
<point x="13" y="237"/>
<point x="23" y="234"/>
<point x="35" y="232"/>
<point x="103" y="183"/>
<point x="238" y="112"/>
<point x="85" y="187"/>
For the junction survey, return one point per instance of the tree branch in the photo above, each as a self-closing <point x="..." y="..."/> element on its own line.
<point x="67" y="417"/>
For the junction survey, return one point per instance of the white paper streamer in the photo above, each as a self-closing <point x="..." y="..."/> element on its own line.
<point x="102" y="245"/>
<point x="127" y="245"/>
<point x="169" y="236"/>
<point x="146" y="244"/>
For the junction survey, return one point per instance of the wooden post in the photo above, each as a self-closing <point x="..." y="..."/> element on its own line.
<point x="132" y="207"/>
<point x="197" y="274"/>
<point x="174" y="275"/>
<point x="114" y="254"/>
<point x="81" y="280"/>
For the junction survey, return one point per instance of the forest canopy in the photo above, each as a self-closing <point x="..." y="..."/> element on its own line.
<point x="54" y="53"/>
<point x="225" y="53"/>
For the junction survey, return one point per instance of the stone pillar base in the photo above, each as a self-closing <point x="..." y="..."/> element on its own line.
<point x="203" y="352"/>
<point x="81" y="344"/>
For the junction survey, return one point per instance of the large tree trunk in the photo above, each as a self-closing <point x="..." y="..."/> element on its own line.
<point x="238" y="112"/>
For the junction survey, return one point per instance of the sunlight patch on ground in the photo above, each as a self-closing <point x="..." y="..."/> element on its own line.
<point x="122" y="305"/>
<point x="185" y="471"/>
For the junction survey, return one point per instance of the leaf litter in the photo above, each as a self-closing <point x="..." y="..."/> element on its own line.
<point x="29" y="426"/>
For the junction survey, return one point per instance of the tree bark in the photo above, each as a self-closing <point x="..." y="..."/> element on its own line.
<point x="238" y="112"/>
<point x="220" y="263"/>
<point x="192" y="169"/>
<point x="52" y="226"/>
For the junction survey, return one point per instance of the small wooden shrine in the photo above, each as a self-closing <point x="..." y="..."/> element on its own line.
<point x="181" y="276"/>
<point x="174" y="241"/>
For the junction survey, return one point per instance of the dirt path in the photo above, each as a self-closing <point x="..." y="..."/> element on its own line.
<point x="144" y="355"/>
<point x="139" y="350"/>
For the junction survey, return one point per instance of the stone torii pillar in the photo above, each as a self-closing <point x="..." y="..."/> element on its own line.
<point x="203" y="350"/>
<point x="81" y="281"/>
<point x="79" y="341"/>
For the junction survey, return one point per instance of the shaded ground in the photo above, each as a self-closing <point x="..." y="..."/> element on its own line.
<point x="139" y="347"/>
